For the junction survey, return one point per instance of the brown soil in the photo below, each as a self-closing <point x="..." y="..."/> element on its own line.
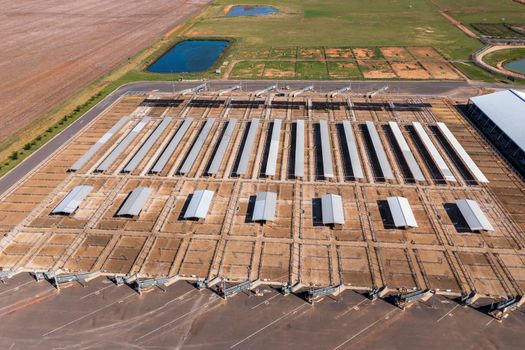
<point x="396" y="54"/>
<point x="338" y="53"/>
<point x="363" y="53"/>
<point x="409" y="70"/>
<point x="52" y="49"/>
<point x="376" y="69"/>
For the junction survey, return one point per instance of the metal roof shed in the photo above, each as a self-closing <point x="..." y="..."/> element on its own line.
<point x="166" y="154"/>
<point x="401" y="212"/>
<point x="197" y="146"/>
<point x="221" y="149"/>
<point x="386" y="170"/>
<point x="434" y="153"/>
<point x="476" y="220"/>
<point x="134" y="203"/>
<point x="274" y="148"/>
<point x="460" y="151"/>
<point x="122" y="146"/>
<point x="199" y="204"/>
<point x="82" y="160"/>
<point x="299" y="149"/>
<point x="406" y="152"/>
<point x="352" y="150"/>
<point x="242" y="167"/>
<point x="146" y="146"/>
<point x="507" y="110"/>
<point x="72" y="201"/>
<point x="332" y="210"/>
<point x="265" y="206"/>
<point x="328" y="170"/>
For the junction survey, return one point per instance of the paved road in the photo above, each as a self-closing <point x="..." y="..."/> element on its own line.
<point x="450" y="89"/>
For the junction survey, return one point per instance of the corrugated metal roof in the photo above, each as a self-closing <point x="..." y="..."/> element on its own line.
<point x="221" y="149"/>
<point x="71" y="202"/>
<point x="134" y="203"/>
<point x="401" y="212"/>
<point x="434" y="153"/>
<point x="507" y="110"/>
<point x="379" y="151"/>
<point x="122" y="146"/>
<point x="326" y="149"/>
<point x="352" y="150"/>
<point x="242" y="168"/>
<point x="406" y="152"/>
<point x="274" y="148"/>
<point x="199" y="204"/>
<point x="299" y="149"/>
<point x="462" y="153"/>
<point x="82" y="160"/>
<point x="265" y="206"/>
<point x="171" y="147"/>
<point x="146" y="146"/>
<point x="332" y="210"/>
<point x="197" y="146"/>
<point x="476" y="220"/>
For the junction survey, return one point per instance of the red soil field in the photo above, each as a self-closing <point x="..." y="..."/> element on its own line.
<point x="51" y="49"/>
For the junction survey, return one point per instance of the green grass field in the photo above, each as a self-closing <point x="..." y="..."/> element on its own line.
<point x="504" y="56"/>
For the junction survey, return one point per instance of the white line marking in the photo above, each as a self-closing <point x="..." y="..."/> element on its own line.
<point x="489" y="322"/>
<point x="268" y="325"/>
<point x="178" y="318"/>
<point x="353" y="307"/>
<point x="365" y="329"/>
<point x="15" y="288"/>
<point x="96" y="292"/>
<point x="266" y="301"/>
<point x="442" y="317"/>
<point x="87" y="315"/>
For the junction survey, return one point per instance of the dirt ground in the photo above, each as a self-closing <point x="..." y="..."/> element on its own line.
<point x="51" y="49"/>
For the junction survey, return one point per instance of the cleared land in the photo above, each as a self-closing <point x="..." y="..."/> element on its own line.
<point x="52" y="49"/>
<point x="365" y="252"/>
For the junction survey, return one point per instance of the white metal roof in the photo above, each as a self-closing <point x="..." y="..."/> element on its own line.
<point x="379" y="151"/>
<point x="328" y="170"/>
<point x="71" y="202"/>
<point x="82" y="160"/>
<point x="406" y="152"/>
<point x="197" y="146"/>
<point x="473" y="168"/>
<point x="274" y="148"/>
<point x="123" y="145"/>
<point x="223" y="145"/>
<point x="134" y="203"/>
<point x="146" y="146"/>
<point x="401" y="212"/>
<point x="199" y="204"/>
<point x="434" y="153"/>
<point x="242" y="167"/>
<point x="332" y="209"/>
<point x="476" y="220"/>
<point x="265" y="206"/>
<point x="507" y="110"/>
<point x="352" y="150"/>
<point x="299" y="149"/>
<point x="166" y="154"/>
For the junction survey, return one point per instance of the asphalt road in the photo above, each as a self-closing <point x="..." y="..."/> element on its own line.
<point x="450" y="89"/>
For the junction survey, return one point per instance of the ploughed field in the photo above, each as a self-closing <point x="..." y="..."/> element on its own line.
<point x="51" y="49"/>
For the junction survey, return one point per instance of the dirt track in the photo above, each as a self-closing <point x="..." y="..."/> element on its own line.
<point x="51" y="49"/>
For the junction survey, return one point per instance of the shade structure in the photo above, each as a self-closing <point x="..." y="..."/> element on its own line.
<point x="265" y="206"/>
<point x="222" y="147"/>
<point x="401" y="212"/>
<point x="332" y="210"/>
<point x="351" y="147"/>
<point x="72" y="201"/>
<point x="274" y="148"/>
<point x="463" y="155"/>
<point x="168" y="151"/>
<point x="299" y="149"/>
<point x="135" y="202"/>
<point x="473" y="215"/>
<point x="199" y="205"/>
<point x="91" y="152"/>
<point x="328" y="169"/>
<point x="242" y="167"/>
<point x="122" y="146"/>
<point x="379" y="151"/>
<point x="406" y="153"/>
<point x="197" y="146"/>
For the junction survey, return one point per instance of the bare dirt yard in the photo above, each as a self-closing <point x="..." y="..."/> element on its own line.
<point x="52" y="49"/>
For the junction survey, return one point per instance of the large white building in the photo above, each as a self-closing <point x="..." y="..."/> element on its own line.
<point x="501" y="117"/>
